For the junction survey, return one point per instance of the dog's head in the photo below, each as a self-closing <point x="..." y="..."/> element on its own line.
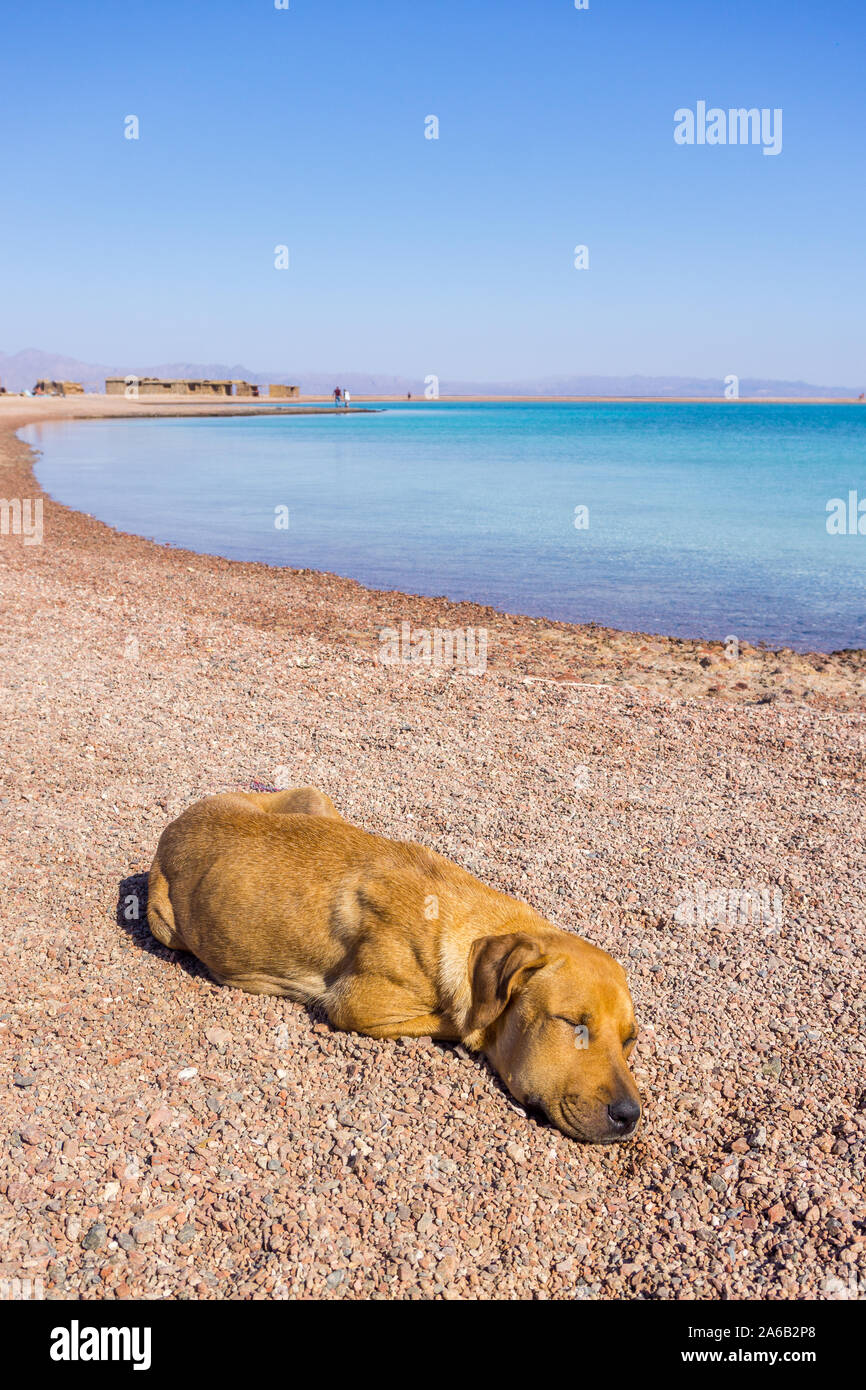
<point x="554" y="1015"/>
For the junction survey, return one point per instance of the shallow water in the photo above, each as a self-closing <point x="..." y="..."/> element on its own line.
<point x="704" y="520"/>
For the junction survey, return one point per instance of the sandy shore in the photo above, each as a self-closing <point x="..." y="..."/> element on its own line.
<point x="166" y="1137"/>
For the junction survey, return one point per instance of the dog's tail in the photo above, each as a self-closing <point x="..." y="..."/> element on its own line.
<point x="160" y="913"/>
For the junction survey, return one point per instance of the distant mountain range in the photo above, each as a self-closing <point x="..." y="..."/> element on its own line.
<point x="21" y="370"/>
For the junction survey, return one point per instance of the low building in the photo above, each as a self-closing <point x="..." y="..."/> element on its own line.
<point x="163" y="386"/>
<point x="278" y="392"/>
<point x="58" y="388"/>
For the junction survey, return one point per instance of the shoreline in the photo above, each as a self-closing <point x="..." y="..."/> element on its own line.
<point x="264" y="402"/>
<point x="530" y="648"/>
<point x="609" y="400"/>
<point x="536" y="648"/>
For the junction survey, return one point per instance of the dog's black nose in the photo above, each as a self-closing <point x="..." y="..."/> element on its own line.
<point x="624" y="1115"/>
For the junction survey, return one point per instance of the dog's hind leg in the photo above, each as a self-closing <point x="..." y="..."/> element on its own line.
<point x="303" y="990"/>
<point x="160" y="913"/>
<point x="297" y="801"/>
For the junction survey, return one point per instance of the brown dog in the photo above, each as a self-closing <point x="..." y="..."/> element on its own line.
<point x="277" y="894"/>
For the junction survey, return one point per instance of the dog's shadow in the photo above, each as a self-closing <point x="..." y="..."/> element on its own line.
<point x="131" y="917"/>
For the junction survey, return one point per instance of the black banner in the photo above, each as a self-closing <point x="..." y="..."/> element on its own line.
<point x="62" y="1338"/>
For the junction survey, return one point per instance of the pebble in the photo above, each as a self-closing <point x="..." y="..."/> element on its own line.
<point x="95" y="1237"/>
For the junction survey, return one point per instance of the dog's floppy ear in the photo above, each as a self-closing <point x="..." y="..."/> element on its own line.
<point x="496" y="966"/>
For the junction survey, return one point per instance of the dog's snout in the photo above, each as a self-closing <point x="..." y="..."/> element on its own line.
<point x="624" y="1115"/>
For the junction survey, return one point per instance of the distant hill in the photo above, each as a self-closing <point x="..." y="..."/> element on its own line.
<point x="19" y="371"/>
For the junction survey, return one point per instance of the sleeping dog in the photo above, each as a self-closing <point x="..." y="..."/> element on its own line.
<point x="277" y="894"/>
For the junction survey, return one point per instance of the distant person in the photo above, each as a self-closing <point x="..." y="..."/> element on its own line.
<point x="337" y="395"/>
<point x="346" y="399"/>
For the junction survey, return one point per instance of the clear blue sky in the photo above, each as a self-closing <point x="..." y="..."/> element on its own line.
<point x="306" y="127"/>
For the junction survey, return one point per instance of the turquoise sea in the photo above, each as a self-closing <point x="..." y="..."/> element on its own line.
<point x="703" y="520"/>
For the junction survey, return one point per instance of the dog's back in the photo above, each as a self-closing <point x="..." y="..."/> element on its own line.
<point x="270" y="890"/>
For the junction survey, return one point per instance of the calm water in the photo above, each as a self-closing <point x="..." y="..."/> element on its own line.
<point x="704" y="520"/>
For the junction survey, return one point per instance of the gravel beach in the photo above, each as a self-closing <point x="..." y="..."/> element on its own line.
<point x="699" y="818"/>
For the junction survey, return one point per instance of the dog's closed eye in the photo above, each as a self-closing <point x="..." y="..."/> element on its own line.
<point x="572" y="1022"/>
